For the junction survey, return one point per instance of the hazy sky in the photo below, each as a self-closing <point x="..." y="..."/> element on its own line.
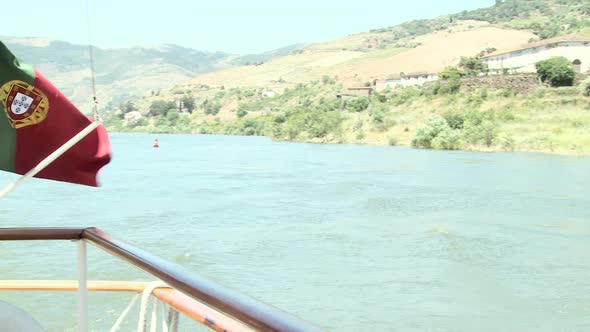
<point x="242" y="27"/>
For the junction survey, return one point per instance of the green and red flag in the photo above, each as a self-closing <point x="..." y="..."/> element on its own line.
<point x="36" y="119"/>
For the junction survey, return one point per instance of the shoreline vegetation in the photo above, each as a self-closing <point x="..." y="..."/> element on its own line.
<point x="550" y="120"/>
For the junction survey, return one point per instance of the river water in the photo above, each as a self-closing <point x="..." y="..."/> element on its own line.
<point x="352" y="238"/>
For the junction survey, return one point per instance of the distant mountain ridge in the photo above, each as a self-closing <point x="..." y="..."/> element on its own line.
<point x="122" y="73"/>
<point x="263" y="57"/>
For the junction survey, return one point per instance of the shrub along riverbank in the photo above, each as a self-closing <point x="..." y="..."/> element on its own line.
<point x="555" y="120"/>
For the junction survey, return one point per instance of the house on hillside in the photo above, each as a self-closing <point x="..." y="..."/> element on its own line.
<point x="268" y="94"/>
<point x="411" y="79"/>
<point x="523" y="59"/>
<point x="132" y="116"/>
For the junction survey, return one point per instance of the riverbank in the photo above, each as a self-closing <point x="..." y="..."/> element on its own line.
<point x="549" y="120"/>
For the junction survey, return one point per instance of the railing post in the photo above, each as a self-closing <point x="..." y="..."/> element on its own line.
<point x="82" y="288"/>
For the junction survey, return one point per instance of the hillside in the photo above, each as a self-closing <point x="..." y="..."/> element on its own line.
<point x="552" y="120"/>
<point x="122" y="74"/>
<point x="545" y="18"/>
<point x="351" y="61"/>
<point x="294" y="97"/>
<point x="351" y="64"/>
<point x="414" y="46"/>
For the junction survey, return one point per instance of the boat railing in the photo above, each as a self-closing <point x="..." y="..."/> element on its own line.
<point x="252" y="314"/>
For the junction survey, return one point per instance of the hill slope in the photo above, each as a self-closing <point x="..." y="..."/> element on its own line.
<point x="352" y="63"/>
<point x="418" y="45"/>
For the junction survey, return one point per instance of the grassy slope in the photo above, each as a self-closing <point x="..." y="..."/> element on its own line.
<point x="551" y="120"/>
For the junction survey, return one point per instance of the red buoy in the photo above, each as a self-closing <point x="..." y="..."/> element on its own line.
<point x="156" y="144"/>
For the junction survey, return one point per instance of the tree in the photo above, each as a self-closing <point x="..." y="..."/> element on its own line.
<point x="358" y="104"/>
<point x="128" y="107"/>
<point x="188" y="101"/>
<point x="586" y="88"/>
<point x="451" y="81"/>
<point x="242" y="113"/>
<point x="161" y="107"/>
<point x="172" y="116"/>
<point x="557" y="71"/>
<point x="549" y="30"/>
<point x="328" y="80"/>
<point x="211" y="108"/>
<point x="450" y="72"/>
<point x="125" y="108"/>
<point x="472" y="66"/>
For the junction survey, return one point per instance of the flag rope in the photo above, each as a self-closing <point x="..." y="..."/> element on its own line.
<point x="91" y="56"/>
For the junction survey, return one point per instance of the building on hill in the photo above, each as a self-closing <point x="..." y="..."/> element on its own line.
<point x="411" y="79"/>
<point x="268" y="93"/>
<point x="523" y="59"/>
<point x="132" y="116"/>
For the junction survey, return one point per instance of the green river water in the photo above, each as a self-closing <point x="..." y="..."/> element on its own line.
<point x="350" y="237"/>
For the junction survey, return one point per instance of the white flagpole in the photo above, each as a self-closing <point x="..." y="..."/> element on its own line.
<point x="49" y="159"/>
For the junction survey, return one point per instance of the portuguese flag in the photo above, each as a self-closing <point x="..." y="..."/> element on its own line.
<point x="36" y="119"/>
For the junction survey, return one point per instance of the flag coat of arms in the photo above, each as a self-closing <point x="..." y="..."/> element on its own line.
<point x="36" y="119"/>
